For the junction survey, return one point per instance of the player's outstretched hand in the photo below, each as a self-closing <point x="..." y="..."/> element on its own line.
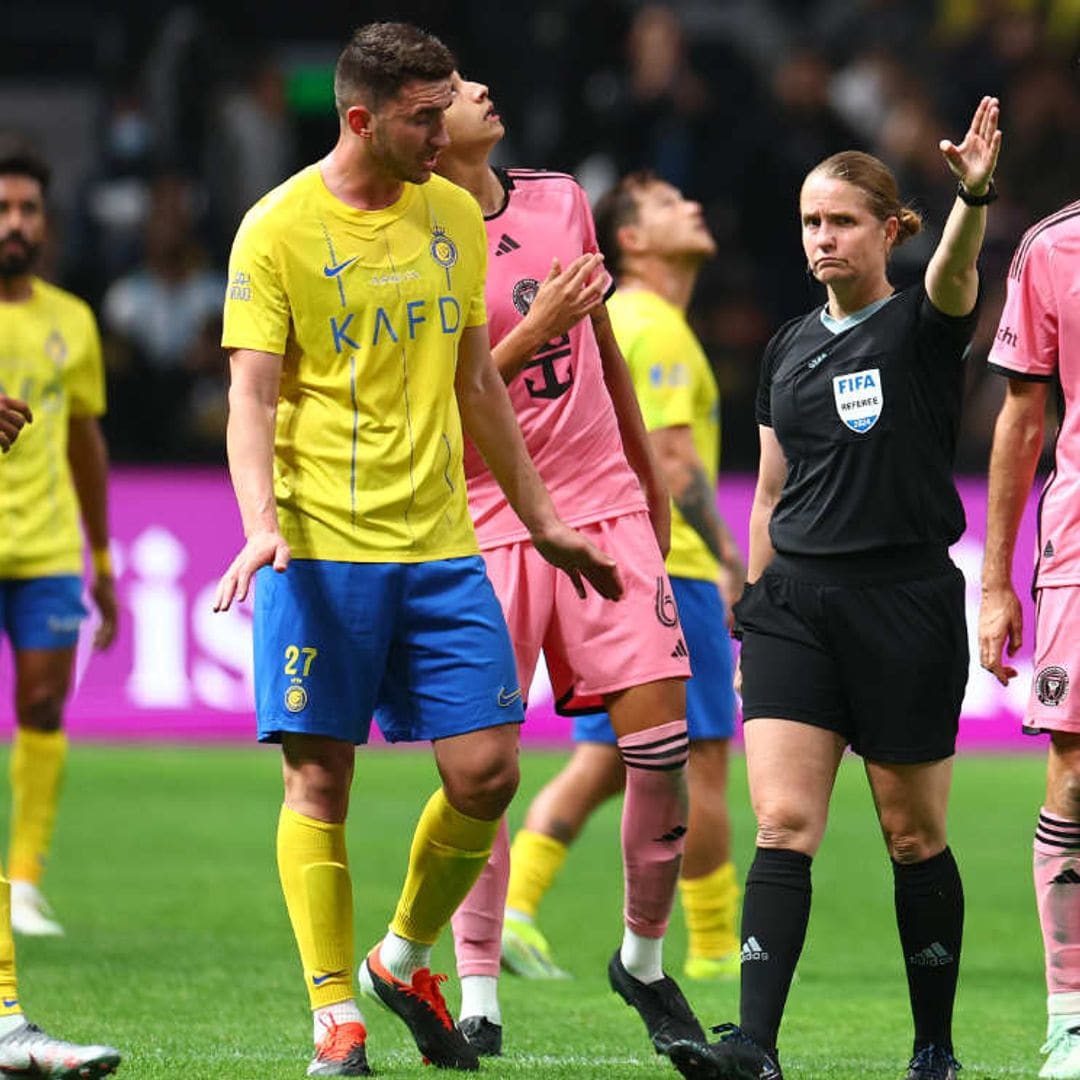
<point x="567" y="549"/>
<point x="14" y="414"/>
<point x="974" y="160"/>
<point x="262" y="549"/>
<point x="1001" y="625"/>
<point x="565" y="297"/>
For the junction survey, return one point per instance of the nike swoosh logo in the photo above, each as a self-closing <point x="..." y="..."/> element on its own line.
<point x="10" y="1003"/>
<point x="318" y="980"/>
<point x="505" y="699"/>
<point x="334" y="271"/>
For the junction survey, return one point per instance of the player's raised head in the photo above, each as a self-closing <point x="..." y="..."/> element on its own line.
<point x="472" y="120"/>
<point x="644" y="215"/>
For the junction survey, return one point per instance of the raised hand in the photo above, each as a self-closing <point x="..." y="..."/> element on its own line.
<point x="974" y="160"/>
<point x="571" y="552"/>
<point x="13" y="415"/>
<point x="565" y="297"/>
<point x="262" y="549"/>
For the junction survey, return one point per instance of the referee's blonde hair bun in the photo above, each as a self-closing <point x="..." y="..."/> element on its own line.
<point x="875" y="180"/>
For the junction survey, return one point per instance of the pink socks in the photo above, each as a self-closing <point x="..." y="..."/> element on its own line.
<point x="653" y="823"/>
<point x="478" y="922"/>
<point x="1057" y="891"/>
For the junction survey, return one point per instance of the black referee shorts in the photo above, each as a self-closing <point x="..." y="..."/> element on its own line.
<point x="873" y="647"/>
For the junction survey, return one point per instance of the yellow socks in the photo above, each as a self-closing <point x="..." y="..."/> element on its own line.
<point x="37" y="767"/>
<point x="709" y="904"/>
<point x="9" y="991"/>
<point x="449" y="850"/>
<point x="314" y="870"/>
<point x="535" y="860"/>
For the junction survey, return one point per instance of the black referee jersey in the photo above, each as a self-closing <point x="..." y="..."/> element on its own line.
<point x="867" y="419"/>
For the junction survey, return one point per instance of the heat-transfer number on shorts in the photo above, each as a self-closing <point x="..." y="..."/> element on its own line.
<point x="292" y="659"/>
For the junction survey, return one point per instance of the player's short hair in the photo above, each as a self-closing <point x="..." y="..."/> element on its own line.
<point x="20" y="157"/>
<point x="382" y="57"/>
<point x="616" y="208"/>
<point x="875" y="180"/>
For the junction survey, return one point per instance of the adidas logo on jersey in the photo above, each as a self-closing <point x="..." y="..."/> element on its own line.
<point x="680" y="649"/>
<point x="1048" y="551"/>
<point x="506" y="244"/>
<point x="1067" y="877"/>
<point x="935" y="955"/>
<point x="752" y="950"/>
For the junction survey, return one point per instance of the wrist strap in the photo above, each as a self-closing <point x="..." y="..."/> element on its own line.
<point x="985" y="199"/>
<point x="102" y="562"/>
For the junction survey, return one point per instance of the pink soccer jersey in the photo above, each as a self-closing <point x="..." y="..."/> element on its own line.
<point x="1039" y="338"/>
<point x="560" y="397"/>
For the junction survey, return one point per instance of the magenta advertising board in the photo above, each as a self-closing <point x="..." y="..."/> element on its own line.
<point x="180" y="672"/>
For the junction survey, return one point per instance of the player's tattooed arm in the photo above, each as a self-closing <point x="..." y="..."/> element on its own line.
<point x="696" y="499"/>
<point x="695" y="503"/>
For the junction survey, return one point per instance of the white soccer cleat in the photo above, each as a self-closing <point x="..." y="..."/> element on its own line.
<point x="30" y="912"/>
<point x="1063" y="1046"/>
<point x="28" y="1052"/>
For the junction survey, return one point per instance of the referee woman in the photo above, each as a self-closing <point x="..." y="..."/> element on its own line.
<point x="853" y="627"/>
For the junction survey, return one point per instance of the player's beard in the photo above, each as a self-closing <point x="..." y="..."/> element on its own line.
<point x="14" y="262"/>
<point x="407" y="169"/>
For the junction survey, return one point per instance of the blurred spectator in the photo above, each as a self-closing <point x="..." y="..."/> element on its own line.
<point x="731" y="101"/>
<point x="253" y="147"/>
<point x="162" y="324"/>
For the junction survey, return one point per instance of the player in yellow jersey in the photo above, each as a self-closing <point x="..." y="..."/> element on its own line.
<point x="50" y="356"/>
<point x="656" y="241"/>
<point x="359" y="351"/>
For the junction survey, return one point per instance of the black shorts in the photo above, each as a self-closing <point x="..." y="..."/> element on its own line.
<point x="873" y="647"/>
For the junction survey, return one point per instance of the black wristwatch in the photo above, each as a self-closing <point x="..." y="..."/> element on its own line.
<point x="985" y="199"/>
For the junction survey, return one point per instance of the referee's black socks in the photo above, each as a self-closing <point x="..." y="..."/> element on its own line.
<point x="776" y="909"/>
<point x="930" y="918"/>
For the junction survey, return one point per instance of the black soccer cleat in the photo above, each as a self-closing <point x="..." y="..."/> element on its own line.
<point x="933" y="1063"/>
<point x="667" y="1015"/>
<point x="421" y="1005"/>
<point x="483" y="1036"/>
<point x="735" y="1056"/>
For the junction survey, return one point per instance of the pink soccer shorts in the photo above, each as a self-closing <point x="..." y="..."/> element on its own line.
<point x="1054" y="704"/>
<point x="593" y="646"/>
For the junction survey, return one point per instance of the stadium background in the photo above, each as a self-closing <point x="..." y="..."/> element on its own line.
<point x="165" y="121"/>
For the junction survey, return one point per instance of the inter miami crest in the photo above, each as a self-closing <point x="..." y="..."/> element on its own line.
<point x="859" y="398"/>
<point x="524" y="294"/>
<point x="1051" y="685"/>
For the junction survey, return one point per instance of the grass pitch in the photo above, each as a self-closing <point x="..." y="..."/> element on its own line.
<point x="179" y="952"/>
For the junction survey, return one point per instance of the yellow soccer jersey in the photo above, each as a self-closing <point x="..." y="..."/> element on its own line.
<point x="50" y="356"/>
<point x="675" y="386"/>
<point x="367" y="308"/>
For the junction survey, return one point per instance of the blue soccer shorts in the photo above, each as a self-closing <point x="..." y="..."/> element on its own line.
<point x="420" y="647"/>
<point x="42" y="612"/>
<point x="710" y="693"/>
